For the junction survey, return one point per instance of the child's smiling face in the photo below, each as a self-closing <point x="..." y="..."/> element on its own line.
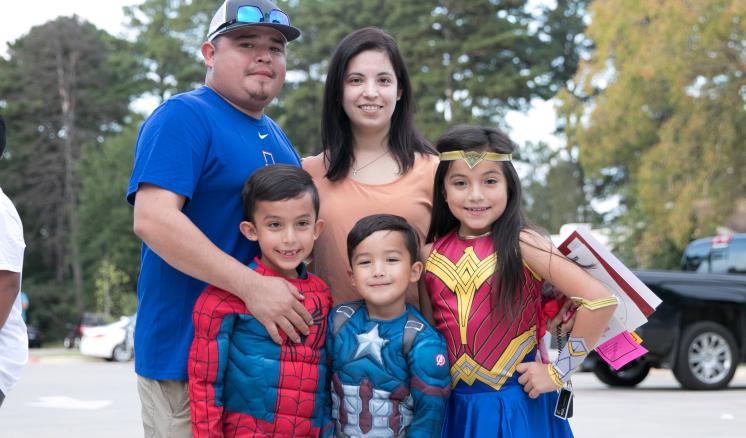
<point x="477" y="196"/>
<point x="286" y="231"/>
<point x="382" y="270"/>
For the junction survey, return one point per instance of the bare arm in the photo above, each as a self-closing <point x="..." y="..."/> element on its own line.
<point x="160" y="223"/>
<point x="10" y="284"/>
<point x="545" y="260"/>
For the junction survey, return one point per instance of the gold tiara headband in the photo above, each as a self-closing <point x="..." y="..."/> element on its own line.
<point x="473" y="158"/>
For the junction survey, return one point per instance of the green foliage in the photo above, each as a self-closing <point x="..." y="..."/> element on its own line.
<point x="51" y="307"/>
<point x="171" y="67"/>
<point x="554" y="188"/>
<point x="663" y="98"/>
<point x="65" y="87"/>
<point x="557" y="200"/>
<point x="113" y="293"/>
<point x="106" y="219"/>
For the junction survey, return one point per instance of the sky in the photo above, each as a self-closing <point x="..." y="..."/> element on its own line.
<point x="17" y="18"/>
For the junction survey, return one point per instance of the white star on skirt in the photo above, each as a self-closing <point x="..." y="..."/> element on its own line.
<point x="370" y="344"/>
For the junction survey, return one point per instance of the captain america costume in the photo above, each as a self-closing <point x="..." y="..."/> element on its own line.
<point x="242" y="384"/>
<point x="389" y="377"/>
<point x="486" y="345"/>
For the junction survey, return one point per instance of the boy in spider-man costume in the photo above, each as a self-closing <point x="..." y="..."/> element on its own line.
<point x="390" y="373"/>
<point x="242" y="384"/>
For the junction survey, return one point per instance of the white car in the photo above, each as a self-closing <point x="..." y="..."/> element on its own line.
<point x="113" y="341"/>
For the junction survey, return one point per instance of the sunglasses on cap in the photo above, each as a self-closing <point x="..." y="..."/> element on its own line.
<point x="253" y="15"/>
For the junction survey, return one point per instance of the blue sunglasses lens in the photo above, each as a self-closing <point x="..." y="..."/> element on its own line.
<point x="249" y="14"/>
<point x="279" y="17"/>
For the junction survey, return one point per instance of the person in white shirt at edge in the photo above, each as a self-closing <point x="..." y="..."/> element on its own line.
<point x="13" y="337"/>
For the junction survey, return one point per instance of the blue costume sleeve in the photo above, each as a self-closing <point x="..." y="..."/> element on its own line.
<point x="327" y="428"/>
<point x="430" y="385"/>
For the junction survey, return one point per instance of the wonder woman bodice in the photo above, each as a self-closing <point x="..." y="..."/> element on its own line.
<point x="484" y="342"/>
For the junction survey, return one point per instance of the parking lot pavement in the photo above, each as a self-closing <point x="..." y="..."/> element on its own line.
<point x="57" y="355"/>
<point x="659" y="408"/>
<point x="62" y="393"/>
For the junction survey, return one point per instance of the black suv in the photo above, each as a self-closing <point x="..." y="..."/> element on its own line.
<point x="724" y="254"/>
<point x="698" y="331"/>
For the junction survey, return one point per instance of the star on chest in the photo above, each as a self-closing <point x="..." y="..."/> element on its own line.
<point x="370" y="344"/>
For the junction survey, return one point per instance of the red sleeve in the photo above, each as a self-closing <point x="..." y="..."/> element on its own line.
<point x="204" y="364"/>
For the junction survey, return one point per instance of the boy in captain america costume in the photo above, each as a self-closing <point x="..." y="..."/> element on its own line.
<point x="390" y="372"/>
<point x="242" y="384"/>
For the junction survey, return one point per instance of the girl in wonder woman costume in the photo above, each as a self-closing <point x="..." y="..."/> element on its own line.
<point x="484" y="278"/>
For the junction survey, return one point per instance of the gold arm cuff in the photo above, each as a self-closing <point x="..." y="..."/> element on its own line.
<point x="473" y="158"/>
<point x="596" y="304"/>
<point x="554" y="376"/>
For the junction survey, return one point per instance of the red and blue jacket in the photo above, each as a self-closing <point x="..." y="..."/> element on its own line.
<point x="243" y="384"/>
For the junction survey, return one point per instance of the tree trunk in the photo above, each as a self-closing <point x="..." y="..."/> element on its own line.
<point x="66" y="81"/>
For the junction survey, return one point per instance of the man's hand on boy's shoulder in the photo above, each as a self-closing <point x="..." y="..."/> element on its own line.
<point x="277" y="305"/>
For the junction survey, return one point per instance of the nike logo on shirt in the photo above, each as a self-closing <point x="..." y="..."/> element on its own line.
<point x="262" y="136"/>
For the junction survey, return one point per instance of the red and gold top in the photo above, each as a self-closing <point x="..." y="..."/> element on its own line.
<point x="484" y="343"/>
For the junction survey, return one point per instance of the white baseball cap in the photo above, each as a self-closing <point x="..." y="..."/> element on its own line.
<point x="235" y="14"/>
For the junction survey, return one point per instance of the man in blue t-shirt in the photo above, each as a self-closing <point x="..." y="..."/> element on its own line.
<point x="192" y="157"/>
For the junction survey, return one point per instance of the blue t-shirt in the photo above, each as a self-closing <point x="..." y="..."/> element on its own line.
<point x="199" y="146"/>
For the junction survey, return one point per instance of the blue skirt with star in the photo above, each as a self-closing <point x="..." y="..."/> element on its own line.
<point x="479" y="411"/>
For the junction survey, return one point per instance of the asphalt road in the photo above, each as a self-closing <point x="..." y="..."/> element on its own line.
<point x="64" y="395"/>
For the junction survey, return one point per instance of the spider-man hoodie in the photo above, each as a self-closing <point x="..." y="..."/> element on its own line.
<point x="242" y="384"/>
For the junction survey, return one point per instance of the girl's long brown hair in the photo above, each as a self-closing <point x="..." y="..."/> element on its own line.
<point x="509" y="277"/>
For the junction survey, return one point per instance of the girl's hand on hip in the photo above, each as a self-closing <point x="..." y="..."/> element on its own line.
<point x="535" y="378"/>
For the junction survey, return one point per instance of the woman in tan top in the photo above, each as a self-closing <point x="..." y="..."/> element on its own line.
<point x="373" y="159"/>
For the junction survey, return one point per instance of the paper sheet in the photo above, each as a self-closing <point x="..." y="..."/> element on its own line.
<point x="620" y="350"/>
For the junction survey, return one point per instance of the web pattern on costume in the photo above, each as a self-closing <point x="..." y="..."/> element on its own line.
<point x="243" y="384"/>
<point x="483" y="344"/>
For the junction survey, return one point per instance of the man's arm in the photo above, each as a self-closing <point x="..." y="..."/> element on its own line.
<point x="160" y="223"/>
<point x="10" y="284"/>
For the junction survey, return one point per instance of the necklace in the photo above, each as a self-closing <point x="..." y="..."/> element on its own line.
<point x="474" y="237"/>
<point x="355" y="170"/>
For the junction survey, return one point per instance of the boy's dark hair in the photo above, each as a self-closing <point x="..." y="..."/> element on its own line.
<point x="2" y="136"/>
<point x="383" y="222"/>
<point x="277" y="182"/>
<point x="336" y="130"/>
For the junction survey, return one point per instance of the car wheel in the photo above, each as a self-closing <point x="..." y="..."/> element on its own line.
<point x="707" y="357"/>
<point x="627" y="376"/>
<point x="121" y="354"/>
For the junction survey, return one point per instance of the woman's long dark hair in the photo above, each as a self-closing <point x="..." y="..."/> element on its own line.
<point x="509" y="277"/>
<point x="336" y="132"/>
